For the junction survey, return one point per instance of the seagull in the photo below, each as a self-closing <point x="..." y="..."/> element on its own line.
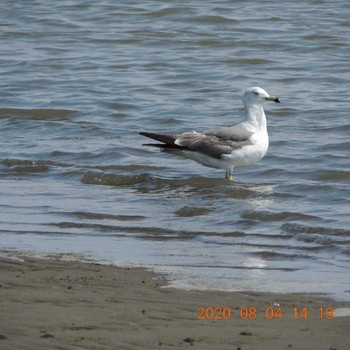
<point x="226" y="147"/>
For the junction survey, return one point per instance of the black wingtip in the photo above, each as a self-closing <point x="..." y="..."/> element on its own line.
<point x="164" y="138"/>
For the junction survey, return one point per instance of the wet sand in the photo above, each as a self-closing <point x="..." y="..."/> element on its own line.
<point x="51" y="304"/>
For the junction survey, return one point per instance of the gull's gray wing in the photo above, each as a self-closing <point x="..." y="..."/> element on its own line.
<point x="236" y="133"/>
<point x="214" y="143"/>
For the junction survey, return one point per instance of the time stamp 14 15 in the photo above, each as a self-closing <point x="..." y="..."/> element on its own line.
<point x="268" y="313"/>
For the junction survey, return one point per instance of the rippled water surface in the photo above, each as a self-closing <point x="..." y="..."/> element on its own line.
<point x="79" y="80"/>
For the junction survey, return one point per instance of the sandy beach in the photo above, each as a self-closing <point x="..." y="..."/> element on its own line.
<point x="51" y="304"/>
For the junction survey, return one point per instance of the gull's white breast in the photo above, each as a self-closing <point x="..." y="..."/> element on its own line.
<point x="249" y="154"/>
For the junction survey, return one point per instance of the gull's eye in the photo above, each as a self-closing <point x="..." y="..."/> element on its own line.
<point x="255" y="92"/>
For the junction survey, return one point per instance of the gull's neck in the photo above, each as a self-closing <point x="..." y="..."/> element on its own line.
<point x="255" y="116"/>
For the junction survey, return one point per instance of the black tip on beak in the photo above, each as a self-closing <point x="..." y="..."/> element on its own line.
<point x="273" y="99"/>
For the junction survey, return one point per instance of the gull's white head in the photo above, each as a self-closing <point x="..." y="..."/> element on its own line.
<point x="257" y="95"/>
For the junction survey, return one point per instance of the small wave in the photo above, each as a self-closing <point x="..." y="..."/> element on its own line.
<point x="31" y="166"/>
<point x="280" y="216"/>
<point x="128" y="167"/>
<point x="107" y="179"/>
<point x="331" y="175"/>
<point x="271" y="255"/>
<point x="145" y="232"/>
<point x="102" y="216"/>
<point x="211" y="19"/>
<point x="191" y="211"/>
<point x="250" y="61"/>
<point x="165" y="12"/>
<point x="317" y="37"/>
<point x="324" y="237"/>
<point x="36" y="114"/>
<point x="323" y="240"/>
<point x="297" y="228"/>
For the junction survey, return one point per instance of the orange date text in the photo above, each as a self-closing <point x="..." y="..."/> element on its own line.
<point x="268" y="313"/>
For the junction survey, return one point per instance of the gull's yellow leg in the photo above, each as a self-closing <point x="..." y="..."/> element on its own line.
<point x="228" y="175"/>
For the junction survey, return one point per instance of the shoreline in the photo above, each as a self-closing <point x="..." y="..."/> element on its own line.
<point x="54" y="304"/>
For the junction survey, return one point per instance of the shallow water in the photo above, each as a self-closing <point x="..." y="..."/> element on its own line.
<point x="79" y="81"/>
